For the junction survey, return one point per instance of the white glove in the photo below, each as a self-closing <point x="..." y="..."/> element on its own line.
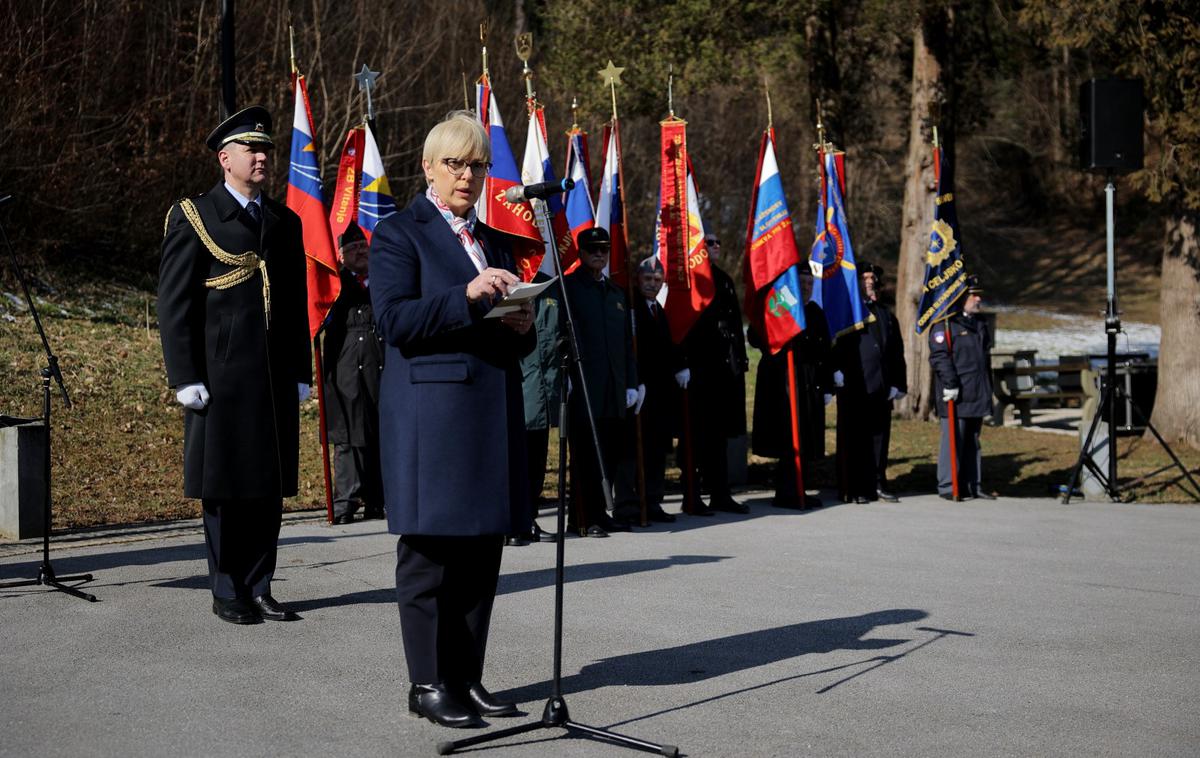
<point x="949" y="394"/>
<point x="192" y="396"/>
<point x="630" y="398"/>
<point x="895" y="394"/>
<point x="304" y="391"/>
<point x="828" y="398"/>
<point x="641" y="398"/>
<point x="682" y="377"/>
<point x="839" y="379"/>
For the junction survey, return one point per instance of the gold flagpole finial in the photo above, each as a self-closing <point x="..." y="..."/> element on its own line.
<point x="767" y="90"/>
<point x="574" y="113"/>
<point x="611" y="74"/>
<point x="466" y="95"/>
<point x="671" y="89"/>
<point x="524" y="45"/>
<point x="292" y="47"/>
<point x="483" y="35"/>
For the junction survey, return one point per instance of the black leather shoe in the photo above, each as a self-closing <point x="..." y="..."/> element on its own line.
<point x="515" y="540"/>
<point x="344" y="518"/>
<point x="374" y="512"/>
<point x="886" y="497"/>
<point x="946" y="496"/>
<point x="235" y="611"/>
<point x="593" y="531"/>
<point x="270" y="609"/>
<point x="487" y="705"/>
<point x="541" y="535"/>
<point x="434" y="702"/>
<point x="812" y="502"/>
<point x="659" y="515"/>
<point x="861" y="499"/>
<point x="984" y="496"/>
<point x="728" y="505"/>
<point x="699" y="509"/>
<point x="610" y="524"/>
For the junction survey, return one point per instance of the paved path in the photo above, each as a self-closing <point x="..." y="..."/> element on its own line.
<point x="924" y="628"/>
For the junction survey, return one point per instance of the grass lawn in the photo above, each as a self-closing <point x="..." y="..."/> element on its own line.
<point x="117" y="453"/>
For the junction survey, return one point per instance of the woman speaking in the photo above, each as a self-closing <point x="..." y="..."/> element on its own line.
<point x="452" y="430"/>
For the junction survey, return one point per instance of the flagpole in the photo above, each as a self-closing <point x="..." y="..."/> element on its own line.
<point x="951" y="421"/>
<point x="795" y="414"/>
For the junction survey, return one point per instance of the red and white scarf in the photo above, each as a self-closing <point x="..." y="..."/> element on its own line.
<point x="462" y="228"/>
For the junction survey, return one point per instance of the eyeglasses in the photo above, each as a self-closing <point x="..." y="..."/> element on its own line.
<point x="457" y="166"/>
<point x="712" y="242"/>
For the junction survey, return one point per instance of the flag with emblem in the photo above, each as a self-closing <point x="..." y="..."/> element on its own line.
<point x="835" y="274"/>
<point x="774" y="300"/>
<point x="305" y="198"/>
<point x="688" y="285"/>
<point x="610" y="207"/>
<point x="945" y="274"/>
<point x="345" y="194"/>
<point x="492" y="208"/>
<point x="536" y="168"/>
<point x="375" y="199"/>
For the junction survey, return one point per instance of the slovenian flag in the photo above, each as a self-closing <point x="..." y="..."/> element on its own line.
<point x="516" y="219"/>
<point x="375" y="200"/>
<point x="610" y="212"/>
<point x="581" y="213"/>
<point x="835" y="274"/>
<point x="773" y="296"/>
<point x="536" y="168"/>
<point x="305" y="198"/>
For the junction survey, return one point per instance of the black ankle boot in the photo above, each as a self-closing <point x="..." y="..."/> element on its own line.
<point x="487" y="705"/>
<point x="436" y="703"/>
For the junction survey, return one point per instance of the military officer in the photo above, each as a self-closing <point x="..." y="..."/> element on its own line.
<point x="960" y="353"/>
<point x="353" y="356"/>
<point x="605" y="335"/>
<point x="233" y="317"/>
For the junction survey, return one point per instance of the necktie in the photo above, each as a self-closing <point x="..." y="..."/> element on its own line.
<point x="254" y="211"/>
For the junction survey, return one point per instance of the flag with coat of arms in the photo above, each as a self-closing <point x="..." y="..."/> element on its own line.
<point x="835" y="273"/>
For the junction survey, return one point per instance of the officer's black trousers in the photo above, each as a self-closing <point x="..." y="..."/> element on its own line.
<point x="445" y="587"/>
<point x="241" y="536"/>
<point x="357" y="479"/>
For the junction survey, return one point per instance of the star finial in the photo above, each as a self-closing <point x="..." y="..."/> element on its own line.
<point x="366" y="79"/>
<point x="611" y="74"/>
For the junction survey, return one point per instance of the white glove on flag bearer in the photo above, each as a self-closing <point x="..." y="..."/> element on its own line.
<point x="192" y="396"/>
<point x="304" y="391"/>
<point x="682" y="377"/>
<point x="839" y="379"/>
<point x="641" y="398"/>
<point x="630" y="398"/>
<point x="949" y="394"/>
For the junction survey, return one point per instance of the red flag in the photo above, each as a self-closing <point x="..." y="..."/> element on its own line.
<point x="345" y="194"/>
<point x="306" y="199"/>
<point x="688" y="277"/>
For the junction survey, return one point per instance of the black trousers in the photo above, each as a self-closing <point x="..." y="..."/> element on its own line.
<point x="241" y="538"/>
<point x="864" y="435"/>
<point x="655" y="446"/>
<point x="587" y="487"/>
<point x="445" y="588"/>
<point x="357" y="479"/>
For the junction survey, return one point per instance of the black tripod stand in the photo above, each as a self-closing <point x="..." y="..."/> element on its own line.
<point x="45" y="575"/>
<point x="555" y="713"/>
<point x="1112" y="392"/>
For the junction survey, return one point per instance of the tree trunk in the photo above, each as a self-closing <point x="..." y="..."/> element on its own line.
<point x="928" y="91"/>
<point x="1176" y="412"/>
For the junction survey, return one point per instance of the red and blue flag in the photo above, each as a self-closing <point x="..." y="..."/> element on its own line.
<point x="610" y="208"/>
<point x="375" y="199"/>
<point x="835" y="274"/>
<point x="581" y="213"/>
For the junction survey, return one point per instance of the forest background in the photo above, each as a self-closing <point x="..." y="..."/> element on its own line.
<point x="107" y="103"/>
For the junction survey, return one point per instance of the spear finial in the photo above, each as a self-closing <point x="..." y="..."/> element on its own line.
<point x="767" y="90"/>
<point x="483" y="35"/>
<point x="292" y="48"/>
<point x="574" y="113"/>
<point x="524" y="44"/>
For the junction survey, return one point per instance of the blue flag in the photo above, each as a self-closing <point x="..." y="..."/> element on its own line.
<point x="945" y="274"/>
<point x="835" y="274"/>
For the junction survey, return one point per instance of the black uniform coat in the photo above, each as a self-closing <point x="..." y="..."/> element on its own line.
<point x="452" y="426"/>
<point x="772" y="429"/>
<point x="605" y="333"/>
<point x="658" y="360"/>
<point x="872" y="359"/>
<point x="969" y="369"/>
<point x="353" y="356"/>
<point x="245" y="443"/>
<point x="715" y="351"/>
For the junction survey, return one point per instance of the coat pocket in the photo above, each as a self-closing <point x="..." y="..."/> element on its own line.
<point x="441" y="371"/>
<point x="220" y="350"/>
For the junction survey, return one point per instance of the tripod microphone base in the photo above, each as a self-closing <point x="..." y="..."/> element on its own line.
<point x="554" y="715"/>
<point x="46" y="578"/>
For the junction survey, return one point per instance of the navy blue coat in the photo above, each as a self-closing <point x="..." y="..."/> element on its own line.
<point x="969" y="369"/>
<point x="451" y="418"/>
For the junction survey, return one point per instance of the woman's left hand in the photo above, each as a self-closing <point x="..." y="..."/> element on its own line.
<point x="520" y="321"/>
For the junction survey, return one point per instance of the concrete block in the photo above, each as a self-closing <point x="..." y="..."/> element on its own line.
<point x="22" y="479"/>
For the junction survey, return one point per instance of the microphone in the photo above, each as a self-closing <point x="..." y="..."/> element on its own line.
<point x="540" y="191"/>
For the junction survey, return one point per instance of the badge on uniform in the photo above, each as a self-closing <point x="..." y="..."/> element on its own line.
<point x="939" y="338"/>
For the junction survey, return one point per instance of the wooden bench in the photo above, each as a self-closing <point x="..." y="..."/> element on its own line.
<point x="1021" y="384"/>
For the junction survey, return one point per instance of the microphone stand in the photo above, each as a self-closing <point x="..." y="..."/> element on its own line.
<point x="45" y="575"/>
<point x="555" y="713"/>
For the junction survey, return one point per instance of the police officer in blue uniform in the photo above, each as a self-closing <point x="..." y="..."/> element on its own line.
<point x="960" y="353"/>
<point x="233" y="318"/>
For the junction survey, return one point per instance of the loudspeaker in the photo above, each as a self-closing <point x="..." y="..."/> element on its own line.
<point x="1110" y="112"/>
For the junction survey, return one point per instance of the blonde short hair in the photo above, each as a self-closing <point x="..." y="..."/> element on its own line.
<point x="459" y="135"/>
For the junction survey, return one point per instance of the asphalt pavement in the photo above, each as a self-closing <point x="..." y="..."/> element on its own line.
<point x="922" y="628"/>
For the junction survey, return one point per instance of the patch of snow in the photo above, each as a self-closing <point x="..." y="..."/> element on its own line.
<point x="1076" y="335"/>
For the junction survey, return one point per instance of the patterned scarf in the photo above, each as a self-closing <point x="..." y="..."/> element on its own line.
<point x="462" y="228"/>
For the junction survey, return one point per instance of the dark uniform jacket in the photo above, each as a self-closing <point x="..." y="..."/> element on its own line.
<point x="715" y="351"/>
<point x="772" y="435"/>
<point x="452" y="426"/>
<point x="353" y="355"/>
<point x="969" y="369"/>
<point x="872" y="359"/>
<point x="658" y="360"/>
<point x="245" y="443"/>
<point x="541" y="368"/>
<point x="605" y="334"/>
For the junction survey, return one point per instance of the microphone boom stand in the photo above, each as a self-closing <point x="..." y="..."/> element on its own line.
<point x="555" y="713"/>
<point x="45" y="576"/>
